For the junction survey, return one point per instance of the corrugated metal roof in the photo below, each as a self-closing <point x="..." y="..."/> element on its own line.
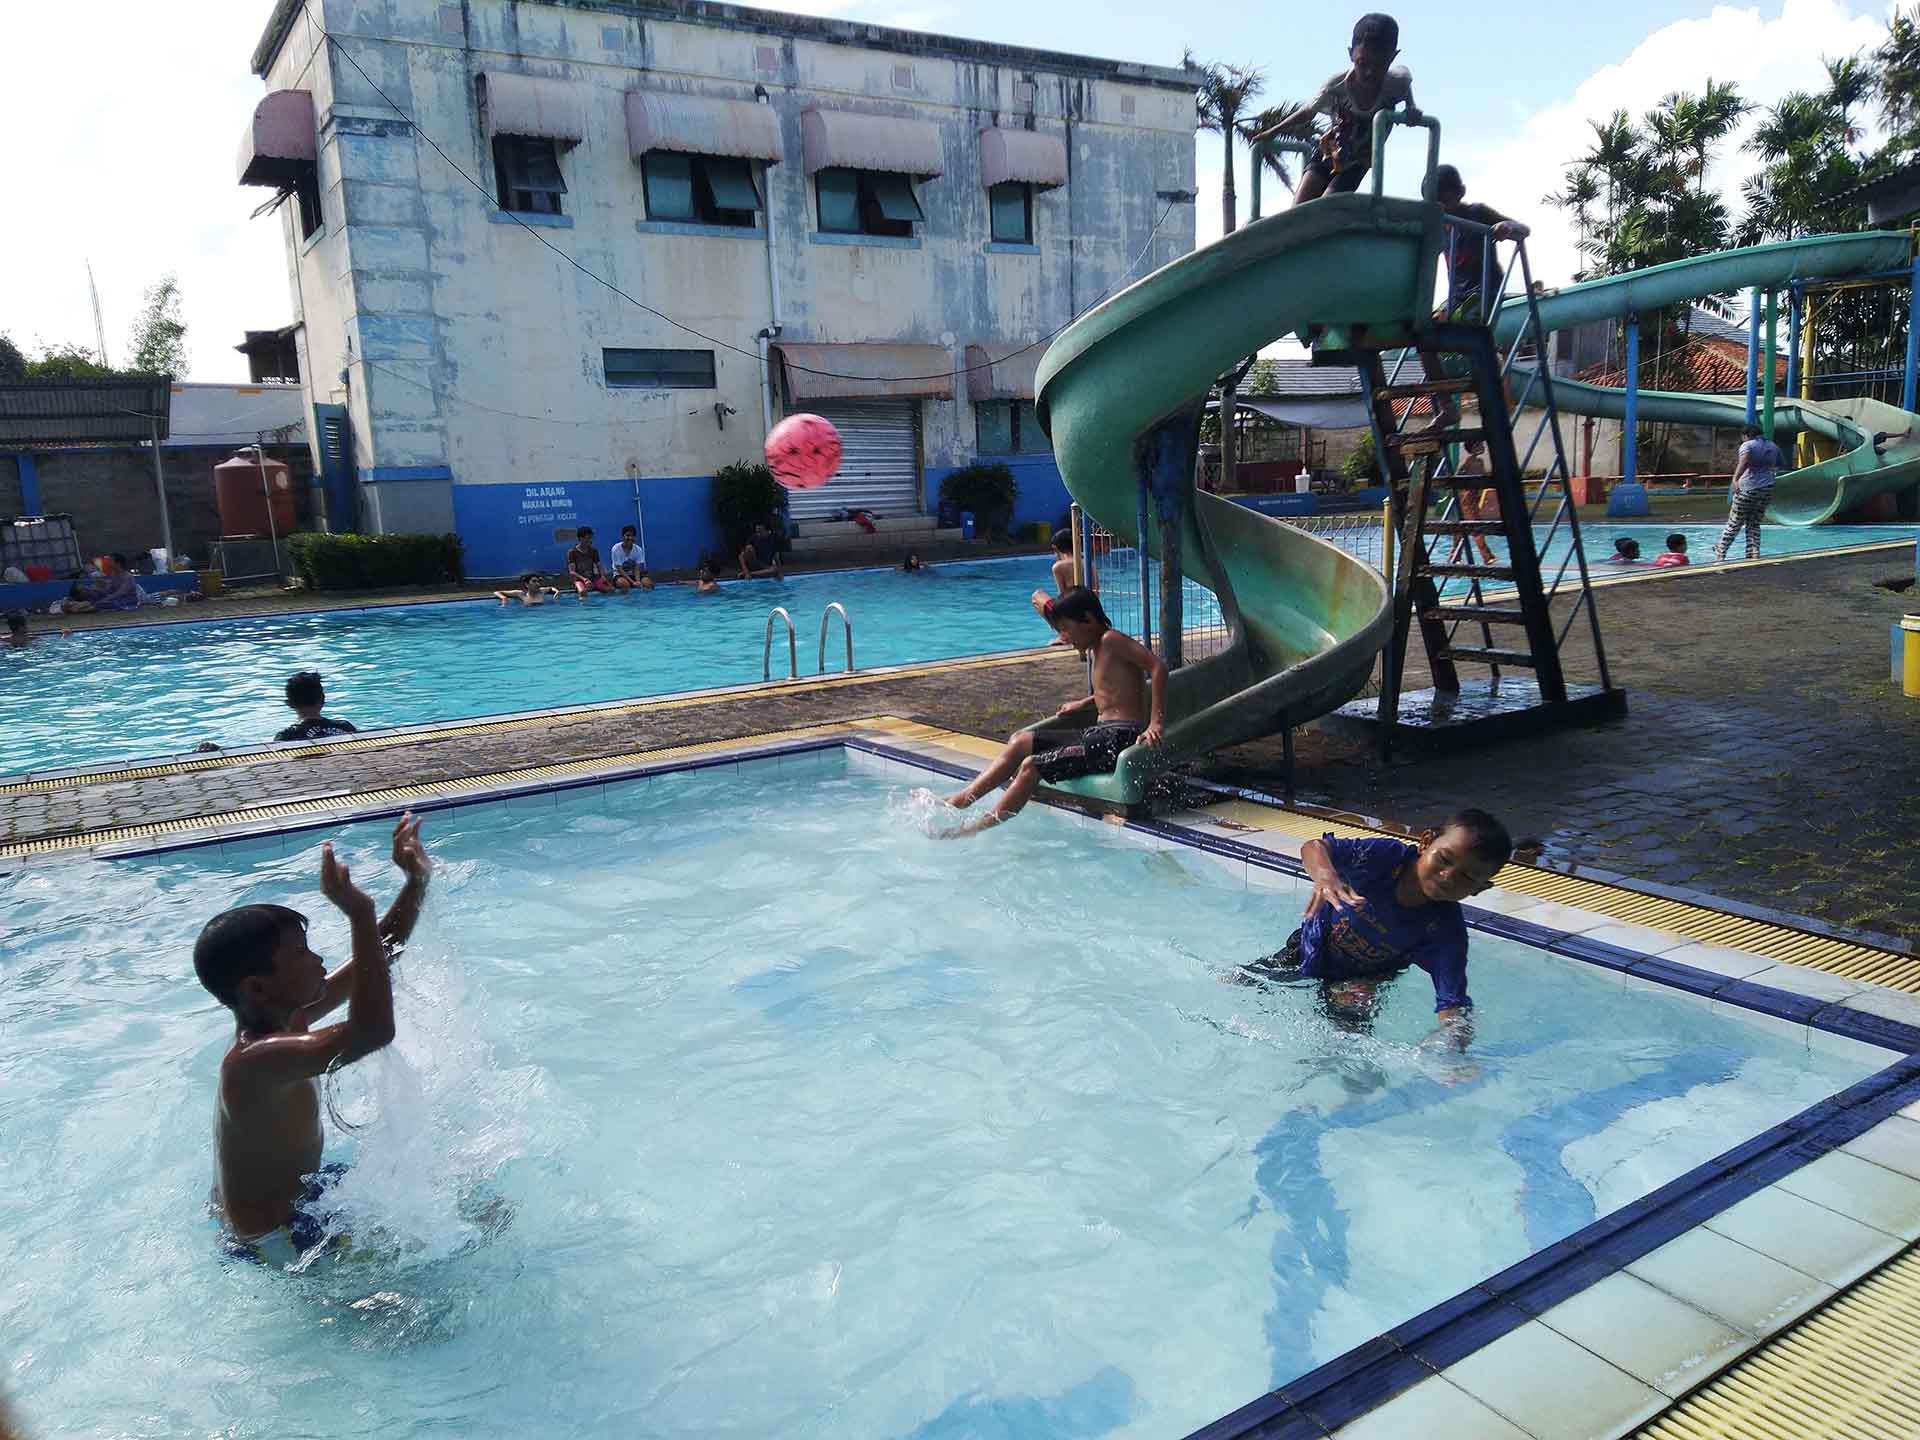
<point x="701" y="125"/>
<point x="64" y="411"/>
<point x="1297" y="377"/>
<point x="866" y="371"/>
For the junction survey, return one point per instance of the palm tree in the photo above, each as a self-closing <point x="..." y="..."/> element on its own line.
<point x="1577" y="199"/>
<point x="1849" y="83"/>
<point x="1267" y="119"/>
<point x="1223" y="93"/>
<point x="1897" y="70"/>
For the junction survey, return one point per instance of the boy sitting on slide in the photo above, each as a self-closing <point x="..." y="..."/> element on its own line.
<point x="1123" y="713"/>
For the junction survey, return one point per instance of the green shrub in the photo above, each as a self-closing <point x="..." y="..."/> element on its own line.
<point x="745" y="494"/>
<point x="987" y="490"/>
<point x="375" y="562"/>
<point x="1359" y="467"/>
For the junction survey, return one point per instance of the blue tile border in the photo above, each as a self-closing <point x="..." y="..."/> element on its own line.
<point x="1313" y="1405"/>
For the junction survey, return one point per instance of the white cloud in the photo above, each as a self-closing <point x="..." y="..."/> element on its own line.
<point x="131" y="161"/>
<point x="1766" y="58"/>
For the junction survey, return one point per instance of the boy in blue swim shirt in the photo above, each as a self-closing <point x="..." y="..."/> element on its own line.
<point x="1379" y="906"/>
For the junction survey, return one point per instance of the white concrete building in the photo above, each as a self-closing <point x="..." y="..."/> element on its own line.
<point x="538" y="249"/>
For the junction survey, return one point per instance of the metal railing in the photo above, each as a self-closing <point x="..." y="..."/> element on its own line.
<point x="779" y="612"/>
<point x="1129" y="586"/>
<point x="846" y="624"/>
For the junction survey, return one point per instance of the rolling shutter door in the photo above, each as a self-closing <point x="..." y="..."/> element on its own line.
<point x="879" y="460"/>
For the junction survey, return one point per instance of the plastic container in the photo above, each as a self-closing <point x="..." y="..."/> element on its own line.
<point x="210" y="582"/>
<point x="242" y="488"/>
<point x="159" y="560"/>
<point x="1910" y="656"/>
<point x="966" y="524"/>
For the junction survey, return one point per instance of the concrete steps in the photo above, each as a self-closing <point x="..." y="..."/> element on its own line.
<point x="892" y="535"/>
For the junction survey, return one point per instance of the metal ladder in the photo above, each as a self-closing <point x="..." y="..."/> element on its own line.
<point x="779" y="612"/>
<point x="1420" y="576"/>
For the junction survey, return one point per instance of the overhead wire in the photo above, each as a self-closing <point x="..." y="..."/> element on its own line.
<point x="714" y="340"/>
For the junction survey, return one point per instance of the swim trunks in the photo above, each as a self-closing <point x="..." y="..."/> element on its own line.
<point x="1062" y="754"/>
<point x="304" y="1229"/>
<point x="1344" y="1010"/>
<point x="1338" y="182"/>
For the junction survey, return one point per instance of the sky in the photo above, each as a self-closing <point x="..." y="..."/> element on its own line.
<point x="133" y="171"/>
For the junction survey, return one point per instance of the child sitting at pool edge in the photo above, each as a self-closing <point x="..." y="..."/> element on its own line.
<point x="1123" y="715"/>
<point x="255" y="960"/>
<point x="1379" y="906"/>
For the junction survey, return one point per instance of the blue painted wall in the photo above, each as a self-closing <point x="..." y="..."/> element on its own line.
<point x="508" y="529"/>
<point x="1042" y="494"/>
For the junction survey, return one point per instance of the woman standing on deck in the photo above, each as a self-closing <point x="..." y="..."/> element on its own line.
<point x="1754" y="474"/>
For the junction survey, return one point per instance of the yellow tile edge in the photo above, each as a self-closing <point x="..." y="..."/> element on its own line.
<point x="459" y="728"/>
<point x="1696" y="922"/>
<point x="1851" y="1369"/>
<point x="889" y="725"/>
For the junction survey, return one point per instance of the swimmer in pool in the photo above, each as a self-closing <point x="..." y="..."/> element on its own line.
<point x="255" y="960"/>
<point x="1380" y="906"/>
<point x="533" y="590"/>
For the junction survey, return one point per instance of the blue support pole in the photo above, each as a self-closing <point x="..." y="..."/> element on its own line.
<point x="1772" y="368"/>
<point x="1753" y="355"/>
<point x="1913" y="341"/>
<point x="1141" y="521"/>
<point x="30" y="479"/>
<point x="1796" y="303"/>
<point x="1630" y="440"/>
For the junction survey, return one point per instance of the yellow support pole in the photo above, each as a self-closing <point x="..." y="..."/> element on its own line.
<point x="1386" y="540"/>
<point x="1803" y="452"/>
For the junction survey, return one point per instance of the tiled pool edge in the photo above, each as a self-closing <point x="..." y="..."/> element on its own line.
<point x="1385" y="1371"/>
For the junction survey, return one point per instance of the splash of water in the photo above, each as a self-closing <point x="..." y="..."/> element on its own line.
<point x="431" y="1122"/>
<point x="922" y="810"/>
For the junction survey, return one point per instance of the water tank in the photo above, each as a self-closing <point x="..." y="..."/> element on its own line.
<point x="241" y="487"/>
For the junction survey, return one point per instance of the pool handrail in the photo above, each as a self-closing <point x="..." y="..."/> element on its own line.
<point x="846" y="624"/>
<point x="793" y="647"/>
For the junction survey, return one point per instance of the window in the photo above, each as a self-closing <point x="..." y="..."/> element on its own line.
<point x="306" y="195"/>
<point x="1009" y="427"/>
<point x="527" y="170"/>
<point x="658" y="369"/>
<point x="1012" y="205"/>
<point x="866" y="202"/>
<point x="706" y="189"/>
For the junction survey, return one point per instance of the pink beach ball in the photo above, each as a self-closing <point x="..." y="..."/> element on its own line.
<point x="803" y="451"/>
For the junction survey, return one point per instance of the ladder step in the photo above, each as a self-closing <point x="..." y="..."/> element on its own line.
<point x="1467" y="572"/>
<point x="1485" y="614"/>
<point x="1431" y="440"/>
<point x="1489" y="657"/>
<point x="1414" y="391"/>
<point x="1466" y="527"/>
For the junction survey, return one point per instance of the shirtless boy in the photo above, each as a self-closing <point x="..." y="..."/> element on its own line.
<point x="270" y="1186"/>
<point x="1124" y="714"/>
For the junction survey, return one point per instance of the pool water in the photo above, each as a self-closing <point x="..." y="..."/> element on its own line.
<point x="163" y="689"/>
<point x="807" y="1125"/>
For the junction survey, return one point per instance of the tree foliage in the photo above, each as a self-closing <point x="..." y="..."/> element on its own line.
<point x="68" y="362"/>
<point x="13" y="365"/>
<point x="159" y="341"/>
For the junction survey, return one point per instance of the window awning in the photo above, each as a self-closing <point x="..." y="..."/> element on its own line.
<point x="900" y="371"/>
<point x="532" y="105"/>
<point x="697" y="125"/>
<point x="1027" y="156"/>
<point x="279" y="145"/>
<point x="846" y="140"/>
<point x="997" y="372"/>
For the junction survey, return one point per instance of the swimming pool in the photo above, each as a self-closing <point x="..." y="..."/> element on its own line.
<point x="157" y="690"/>
<point x="162" y="689"/>
<point x="809" y="1125"/>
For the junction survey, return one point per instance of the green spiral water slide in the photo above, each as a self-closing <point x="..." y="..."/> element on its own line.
<point x="1815" y="494"/>
<point x="1305" y="619"/>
